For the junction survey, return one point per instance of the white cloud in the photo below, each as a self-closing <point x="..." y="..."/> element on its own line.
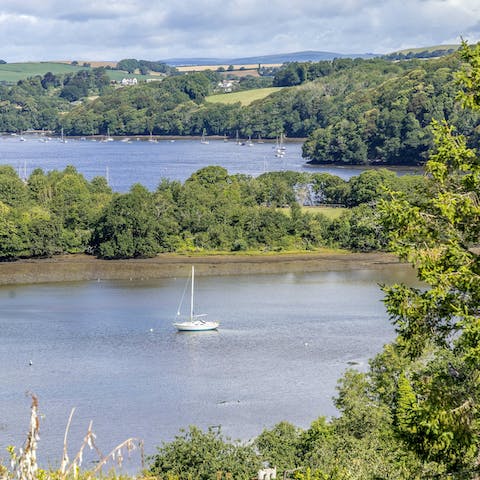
<point x="156" y="29"/>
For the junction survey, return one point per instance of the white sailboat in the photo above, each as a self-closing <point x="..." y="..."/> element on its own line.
<point x="196" y="322"/>
<point x="204" y="140"/>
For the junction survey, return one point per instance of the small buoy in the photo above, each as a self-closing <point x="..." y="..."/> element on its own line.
<point x="306" y="344"/>
<point x="151" y="329"/>
<point x="30" y="363"/>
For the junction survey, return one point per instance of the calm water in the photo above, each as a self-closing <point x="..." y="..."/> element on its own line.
<point x="147" y="163"/>
<point x="109" y="349"/>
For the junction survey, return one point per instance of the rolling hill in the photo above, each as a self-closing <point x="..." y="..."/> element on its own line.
<point x="305" y="56"/>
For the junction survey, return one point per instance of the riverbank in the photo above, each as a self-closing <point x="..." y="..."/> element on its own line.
<point x="69" y="268"/>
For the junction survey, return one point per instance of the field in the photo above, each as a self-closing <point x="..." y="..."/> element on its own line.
<point x="13" y="72"/>
<point x="330" y="212"/>
<point x="245" y="97"/>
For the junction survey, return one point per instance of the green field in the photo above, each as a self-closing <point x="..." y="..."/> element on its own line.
<point x="330" y="212"/>
<point x="245" y="97"/>
<point x="13" y="72"/>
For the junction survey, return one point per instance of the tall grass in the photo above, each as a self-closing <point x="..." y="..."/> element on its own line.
<point x="24" y="465"/>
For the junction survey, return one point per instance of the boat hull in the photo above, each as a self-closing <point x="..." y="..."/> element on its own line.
<point x="196" y="326"/>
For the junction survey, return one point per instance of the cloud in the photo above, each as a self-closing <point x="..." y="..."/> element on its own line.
<point x="156" y="29"/>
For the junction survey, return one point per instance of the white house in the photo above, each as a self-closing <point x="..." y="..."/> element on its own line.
<point x="267" y="473"/>
<point x="126" y="82"/>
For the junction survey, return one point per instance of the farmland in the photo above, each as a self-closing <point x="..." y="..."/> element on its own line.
<point x="244" y="97"/>
<point x="11" y="73"/>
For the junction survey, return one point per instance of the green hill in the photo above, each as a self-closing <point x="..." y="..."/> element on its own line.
<point x="430" y="49"/>
<point x="423" y="52"/>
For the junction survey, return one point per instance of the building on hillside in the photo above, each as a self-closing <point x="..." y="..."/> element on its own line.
<point x="128" y="82"/>
<point x="226" y="86"/>
<point x="267" y="473"/>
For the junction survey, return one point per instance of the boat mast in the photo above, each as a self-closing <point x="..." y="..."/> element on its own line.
<point x="191" y="295"/>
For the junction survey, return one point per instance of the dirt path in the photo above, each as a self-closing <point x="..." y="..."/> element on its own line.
<point x="83" y="267"/>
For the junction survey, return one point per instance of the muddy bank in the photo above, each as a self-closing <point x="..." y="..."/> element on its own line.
<point x="68" y="268"/>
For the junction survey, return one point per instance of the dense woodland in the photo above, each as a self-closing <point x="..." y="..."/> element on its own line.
<point x="62" y="212"/>
<point x="351" y="111"/>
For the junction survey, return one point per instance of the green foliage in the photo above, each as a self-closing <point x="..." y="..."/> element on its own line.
<point x="387" y="122"/>
<point x="438" y="387"/>
<point x="279" y="446"/>
<point x="62" y="212"/>
<point x="127" y="227"/>
<point x="204" y="456"/>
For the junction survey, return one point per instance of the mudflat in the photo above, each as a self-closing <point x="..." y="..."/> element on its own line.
<point x="67" y="268"/>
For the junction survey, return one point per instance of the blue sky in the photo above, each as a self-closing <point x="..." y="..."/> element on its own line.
<point x="159" y="29"/>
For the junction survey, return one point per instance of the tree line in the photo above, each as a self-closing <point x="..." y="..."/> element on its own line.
<point x="61" y="212"/>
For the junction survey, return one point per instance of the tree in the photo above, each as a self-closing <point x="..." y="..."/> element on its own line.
<point x="127" y="228"/>
<point x="438" y="390"/>
<point x="204" y="456"/>
<point x="279" y="445"/>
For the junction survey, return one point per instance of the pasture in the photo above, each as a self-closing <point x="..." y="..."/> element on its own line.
<point x="245" y="97"/>
<point x="11" y="73"/>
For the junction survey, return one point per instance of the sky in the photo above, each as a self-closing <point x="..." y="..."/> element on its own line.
<point x="82" y="30"/>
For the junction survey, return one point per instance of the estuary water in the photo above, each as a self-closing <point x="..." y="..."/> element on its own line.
<point x="147" y="163"/>
<point x="110" y="350"/>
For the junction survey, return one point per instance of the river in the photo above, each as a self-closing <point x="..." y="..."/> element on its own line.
<point x="147" y="163"/>
<point x="110" y="350"/>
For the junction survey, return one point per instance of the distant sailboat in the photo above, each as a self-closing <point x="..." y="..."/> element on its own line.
<point x="22" y="172"/>
<point x="279" y="147"/>
<point x="204" y="140"/>
<point x="195" y="322"/>
<point x="108" y="138"/>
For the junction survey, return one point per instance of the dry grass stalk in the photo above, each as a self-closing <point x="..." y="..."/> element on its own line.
<point x="24" y="465"/>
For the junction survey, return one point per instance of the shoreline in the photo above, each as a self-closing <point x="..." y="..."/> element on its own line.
<point x="81" y="267"/>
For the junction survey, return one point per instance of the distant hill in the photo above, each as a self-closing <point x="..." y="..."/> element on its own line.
<point x="422" y="52"/>
<point x="306" y="56"/>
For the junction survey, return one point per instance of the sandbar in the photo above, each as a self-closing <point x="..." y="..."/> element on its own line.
<point x="79" y="267"/>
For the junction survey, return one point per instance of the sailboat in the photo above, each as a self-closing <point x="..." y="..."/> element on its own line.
<point x="204" y="138"/>
<point x="196" y="322"/>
